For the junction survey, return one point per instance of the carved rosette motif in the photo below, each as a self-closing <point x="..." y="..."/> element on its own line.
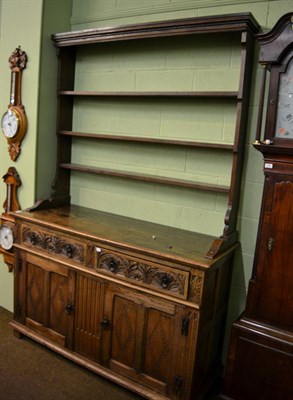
<point x="143" y="273"/>
<point x="53" y="244"/>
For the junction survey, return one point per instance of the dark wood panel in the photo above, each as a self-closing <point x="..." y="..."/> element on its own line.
<point x="270" y="298"/>
<point x="261" y="367"/>
<point x="34" y="293"/>
<point x="88" y="305"/>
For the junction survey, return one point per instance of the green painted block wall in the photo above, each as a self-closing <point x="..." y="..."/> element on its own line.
<point x="27" y="10"/>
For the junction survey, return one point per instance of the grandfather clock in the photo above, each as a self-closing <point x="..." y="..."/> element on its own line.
<point x="260" y="359"/>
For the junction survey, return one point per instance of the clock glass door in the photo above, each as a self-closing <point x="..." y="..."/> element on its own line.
<point x="284" y="124"/>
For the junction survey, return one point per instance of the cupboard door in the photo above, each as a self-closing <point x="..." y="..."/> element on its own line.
<point x="148" y="340"/>
<point x="273" y="301"/>
<point x="88" y="320"/>
<point x="44" y="297"/>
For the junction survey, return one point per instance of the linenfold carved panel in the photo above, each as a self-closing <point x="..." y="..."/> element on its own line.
<point x="52" y="244"/>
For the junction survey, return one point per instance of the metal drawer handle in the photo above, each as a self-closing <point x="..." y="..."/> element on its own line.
<point x="33" y="239"/>
<point x="69" y="308"/>
<point x="105" y="323"/>
<point x="113" y="265"/>
<point x="165" y="281"/>
<point x="69" y="251"/>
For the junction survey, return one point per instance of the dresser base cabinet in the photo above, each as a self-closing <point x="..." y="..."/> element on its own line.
<point x="149" y="318"/>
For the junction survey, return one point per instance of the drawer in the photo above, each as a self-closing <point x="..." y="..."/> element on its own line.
<point x="171" y="281"/>
<point x="52" y="243"/>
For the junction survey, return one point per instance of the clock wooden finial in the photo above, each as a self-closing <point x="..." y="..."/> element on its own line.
<point x="12" y="181"/>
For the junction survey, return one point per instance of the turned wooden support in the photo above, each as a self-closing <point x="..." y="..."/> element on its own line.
<point x="12" y="180"/>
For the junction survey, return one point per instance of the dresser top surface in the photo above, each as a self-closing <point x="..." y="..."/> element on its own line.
<point x="126" y="233"/>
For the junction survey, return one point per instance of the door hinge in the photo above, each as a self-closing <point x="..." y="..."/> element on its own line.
<point x="178" y="385"/>
<point x="185" y="326"/>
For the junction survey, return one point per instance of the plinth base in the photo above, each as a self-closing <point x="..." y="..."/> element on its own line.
<point x="260" y="363"/>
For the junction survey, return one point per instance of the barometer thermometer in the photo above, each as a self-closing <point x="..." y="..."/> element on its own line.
<point x="14" y="121"/>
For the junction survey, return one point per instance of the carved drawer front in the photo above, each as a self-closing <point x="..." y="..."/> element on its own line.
<point x="52" y="243"/>
<point x="161" y="278"/>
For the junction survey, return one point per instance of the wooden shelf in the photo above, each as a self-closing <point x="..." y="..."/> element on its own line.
<point x="207" y="94"/>
<point x="175" y="142"/>
<point x="243" y="26"/>
<point x="146" y="178"/>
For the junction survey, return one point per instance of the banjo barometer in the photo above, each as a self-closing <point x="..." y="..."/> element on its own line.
<point x="14" y="120"/>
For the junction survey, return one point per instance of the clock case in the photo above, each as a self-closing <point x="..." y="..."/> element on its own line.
<point x="6" y="236"/>
<point x="276" y="53"/>
<point x="260" y="358"/>
<point x="19" y="114"/>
